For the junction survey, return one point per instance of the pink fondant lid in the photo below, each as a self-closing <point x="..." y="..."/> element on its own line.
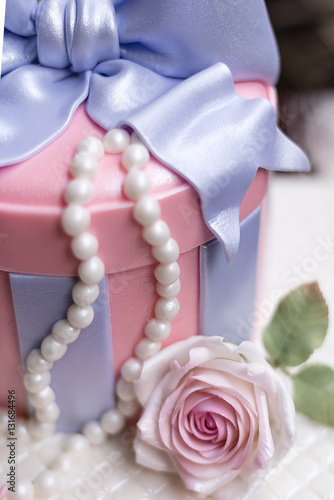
<point x="31" y="202"/>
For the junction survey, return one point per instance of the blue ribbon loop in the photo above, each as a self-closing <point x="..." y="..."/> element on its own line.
<point x="164" y="67"/>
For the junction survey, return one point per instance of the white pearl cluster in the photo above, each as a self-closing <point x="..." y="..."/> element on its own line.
<point x="75" y="222"/>
<point x="156" y="233"/>
<point x="46" y="484"/>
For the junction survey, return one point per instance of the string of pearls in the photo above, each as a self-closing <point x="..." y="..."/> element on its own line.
<point x="75" y="221"/>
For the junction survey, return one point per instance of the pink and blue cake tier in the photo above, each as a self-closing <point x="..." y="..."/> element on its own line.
<point x="37" y="269"/>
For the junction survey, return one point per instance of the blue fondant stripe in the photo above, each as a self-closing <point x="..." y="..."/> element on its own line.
<point x="227" y="293"/>
<point x="84" y="378"/>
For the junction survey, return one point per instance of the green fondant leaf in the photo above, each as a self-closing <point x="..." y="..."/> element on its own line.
<point x="298" y="327"/>
<point x="314" y="393"/>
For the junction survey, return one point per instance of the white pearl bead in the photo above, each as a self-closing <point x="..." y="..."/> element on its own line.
<point x="84" y="166"/>
<point x="42" y="398"/>
<point x="135" y="156"/>
<point x="129" y="408"/>
<point x="157" y="234"/>
<point x="47" y="483"/>
<point x="112" y="422"/>
<point x="49" y="413"/>
<point x="157" y="330"/>
<point x="75" y="220"/>
<point x="94" y="432"/>
<point x="37" y="363"/>
<point x="91" y="271"/>
<point x="35" y="382"/>
<point x="84" y="295"/>
<point x="136" y="184"/>
<point x="116" y="141"/>
<point x="40" y="430"/>
<point x="65" y="333"/>
<point x="91" y="146"/>
<point x="24" y="490"/>
<point x="22" y="432"/>
<point x="80" y="317"/>
<point x="135" y="139"/>
<point x="131" y="369"/>
<point x="125" y="390"/>
<point x="78" y="444"/>
<point x="63" y="463"/>
<point x="146" y="348"/>
<point x="167" y="253"/>
<point x="169" y="291"/>
<point x="166" y="274"/>
<point x="146" y="211"/>
<point x="166" y="309"/>
<point x="79" y="191"/>
<point x="51" y="349"/>
<point x="84" y="246"/>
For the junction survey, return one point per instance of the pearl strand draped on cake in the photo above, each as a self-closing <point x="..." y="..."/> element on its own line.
<point x="54" y="346"/>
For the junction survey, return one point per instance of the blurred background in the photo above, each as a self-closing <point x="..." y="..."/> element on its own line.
<point x="305" y="34"/>
<point x="299" y="235"/>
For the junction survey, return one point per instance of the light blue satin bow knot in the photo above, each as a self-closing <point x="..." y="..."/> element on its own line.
<point x="62" y="33"/>
<point x="76" y="34"/>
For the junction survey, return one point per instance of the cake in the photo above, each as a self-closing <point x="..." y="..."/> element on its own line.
<point x="178" y="99"/>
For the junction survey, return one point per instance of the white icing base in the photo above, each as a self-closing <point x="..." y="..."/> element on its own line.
<point x="108" y="471"/>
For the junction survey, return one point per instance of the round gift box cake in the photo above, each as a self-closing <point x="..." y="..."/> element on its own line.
<point x="38" y="270"/>
<point x="72" y="70"/>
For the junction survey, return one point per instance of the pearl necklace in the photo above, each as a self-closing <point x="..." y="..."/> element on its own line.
<point x="75" y="222"/>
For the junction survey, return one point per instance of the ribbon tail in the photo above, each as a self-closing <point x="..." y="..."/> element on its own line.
<point x="216" y="140"/>
<point x="36" y="105"/>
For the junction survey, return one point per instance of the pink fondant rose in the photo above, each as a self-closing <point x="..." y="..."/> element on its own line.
<point x="216" y="413"/>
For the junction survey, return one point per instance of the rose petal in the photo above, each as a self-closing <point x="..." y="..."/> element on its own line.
<point x="207" y="424"/>
<point x="234" y="457"/>
<point x="204" y="423"/>
<point x="199" y="441"/>
<point x="265" y="448"/>
<point x="231" y="396"/>
<point x="195" y="480"/>
<point x="188" y="403"/>
<point x="170" y="435"/>
<point x="239" y="443"/>
<point x="202" y="383"/>
<point x="229" y="373"/>
<point x="195" y="423"/>
<point x="215" y="404"/>
<point x="149" y="423"/>
<point x="221" y="380"/>
<point x="190" y="353"/>
<point x="152" y="457"/>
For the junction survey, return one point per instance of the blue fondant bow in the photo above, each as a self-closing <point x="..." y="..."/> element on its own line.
<point x="164" y="67"/>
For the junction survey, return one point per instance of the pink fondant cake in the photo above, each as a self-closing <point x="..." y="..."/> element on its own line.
<point x="96" y="228"/>
<point x="36" y="245"/>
